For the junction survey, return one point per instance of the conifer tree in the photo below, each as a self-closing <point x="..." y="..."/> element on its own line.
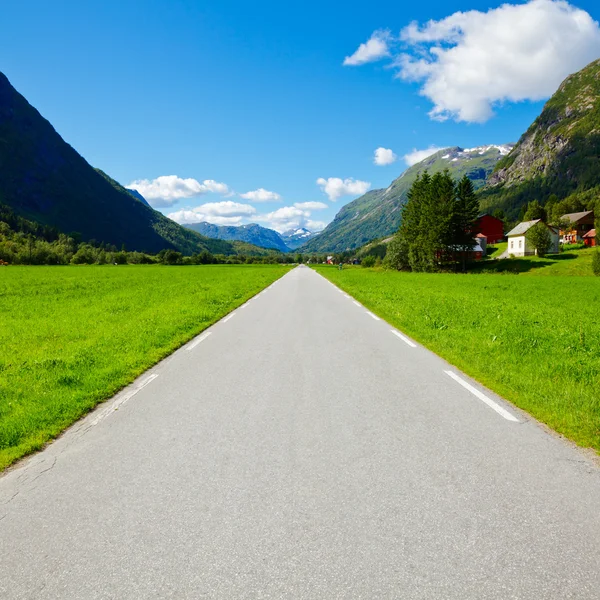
<point x="466" y="211"/>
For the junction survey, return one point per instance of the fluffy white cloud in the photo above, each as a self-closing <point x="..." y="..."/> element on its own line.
<point x="470" y="61"/>
<point x="315" y="226"/>
<point x="219" y="213"/>
<point x="374" y="49"/>
<point x="261" y="195"/>
<point x="311" y="205"/>
<point x="287" y="217"/>
<point x="166" y="190"/>
<point x="384" y="156"/>
<point x="335" y="187"/>
<point x="292" y="217"/>
<point x="412" y="158"/>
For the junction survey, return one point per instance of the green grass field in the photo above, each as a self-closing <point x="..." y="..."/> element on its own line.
<point x="533" y="340"/>
<point x="71" y="337"/>
<point x="571" y="262"/>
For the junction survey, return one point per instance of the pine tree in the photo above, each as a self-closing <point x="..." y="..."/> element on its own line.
<point x="411" y="231"/>
<point x="466" y="211"/>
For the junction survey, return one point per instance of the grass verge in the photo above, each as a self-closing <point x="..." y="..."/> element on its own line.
<point x="71" y="337"/>
<point x="533" y="340"/>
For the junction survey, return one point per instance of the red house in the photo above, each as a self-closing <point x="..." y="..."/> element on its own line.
<point x="589" y="239"/>
<point x="491" y="227"/>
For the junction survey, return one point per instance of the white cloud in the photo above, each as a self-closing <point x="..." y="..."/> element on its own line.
<point x="219" y="213"/>
<point x="374" y="49"/>
<point x="384" y="156"/>
<point x="166" y="190"/>
<point x="261" y="195"/>
<point x="315" y="226"/>
<point x="416" y="156"/>
<point x="471" y="61"/>
<point x="287" y="217"/>
<point x="210" y="185"/>
<point x="335" y="187"/>
<point x="311" y="205"/>
<point x="293" y="217"/>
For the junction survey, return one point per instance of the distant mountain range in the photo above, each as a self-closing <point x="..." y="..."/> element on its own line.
<point x="294" y="238"/>
<point x="254" y="234"/>
<point x="378" y="213"/>
<point x="43" y="179"/>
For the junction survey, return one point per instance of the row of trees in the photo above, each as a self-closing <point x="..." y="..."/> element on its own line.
<point x="22" y="242"/>
<point x="438" y="225"/>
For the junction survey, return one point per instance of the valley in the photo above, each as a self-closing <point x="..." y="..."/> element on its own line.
<point x="292" y="340"/>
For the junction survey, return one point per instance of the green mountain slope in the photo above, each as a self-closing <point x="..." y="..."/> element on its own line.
<point x="251" y="234"/>
<point x="377" y="214"/>
<point x="44" y="179"/>
<point x="559" y="152"/>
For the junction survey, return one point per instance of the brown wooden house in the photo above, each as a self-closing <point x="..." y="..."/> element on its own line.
<point x="581" y="223"/>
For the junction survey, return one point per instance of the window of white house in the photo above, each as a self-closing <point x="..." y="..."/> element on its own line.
<point x="512" y="243"/>
<point x="520" y="243"/>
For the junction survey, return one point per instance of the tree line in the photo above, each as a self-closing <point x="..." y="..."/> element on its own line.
<point x="24" y="242"/>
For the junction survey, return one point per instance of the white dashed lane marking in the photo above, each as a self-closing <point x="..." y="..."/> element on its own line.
<point x="403" y="338"/>
<point x="493" y="405"/>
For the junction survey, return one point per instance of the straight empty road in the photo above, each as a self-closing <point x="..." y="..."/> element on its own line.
<point x="302" y="448"/>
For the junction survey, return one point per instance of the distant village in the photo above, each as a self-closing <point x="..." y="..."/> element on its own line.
<point x="578" y="228"/>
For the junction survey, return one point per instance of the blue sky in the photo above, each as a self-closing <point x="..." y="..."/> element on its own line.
<point x="230" y="98"/>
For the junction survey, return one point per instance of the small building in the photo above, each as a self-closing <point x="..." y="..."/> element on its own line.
<point x="589" y="238"/>
<point x="581" y="223"/>
<point x="330" y="260"/>
<point x="457" y="254"/>
<point x="491" y="227"/>
<point x="481" y="241"/>
<point x="518" y="244"/>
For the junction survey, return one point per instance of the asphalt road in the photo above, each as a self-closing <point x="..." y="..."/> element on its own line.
<point x="302" y="450"/>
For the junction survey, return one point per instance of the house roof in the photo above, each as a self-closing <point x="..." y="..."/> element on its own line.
<point x="590" y="234"/>
<point x="522" y="228"/>
<point x="574" y="217"/>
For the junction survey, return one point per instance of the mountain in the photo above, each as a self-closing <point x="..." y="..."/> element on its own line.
<point x="559" y="152"/>
<point x="252" y="234"/>
<point x="377" y="214"/>
<point x="43" y="179"/>
<point x="137" y="195"/>
<point x="294" y="238"/>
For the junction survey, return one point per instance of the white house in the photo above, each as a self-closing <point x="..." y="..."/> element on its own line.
<point x="518" y="245"/>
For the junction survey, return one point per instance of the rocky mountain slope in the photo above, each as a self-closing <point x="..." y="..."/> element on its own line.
<point x="378" y="213"/>
<point x="559" y="152"/>
<point x="251" y="234"/>
<point x="42" y="178"/>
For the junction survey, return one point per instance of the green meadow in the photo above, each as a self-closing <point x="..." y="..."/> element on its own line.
<point x="71" y="337"/>
<point x="576" y="262"/>
<point x="533" y="340"/>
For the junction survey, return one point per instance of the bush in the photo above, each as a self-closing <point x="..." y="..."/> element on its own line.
<point x="368" y="261"/>
<point x="596" y="263"/>
<point x="120" y="258"/>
